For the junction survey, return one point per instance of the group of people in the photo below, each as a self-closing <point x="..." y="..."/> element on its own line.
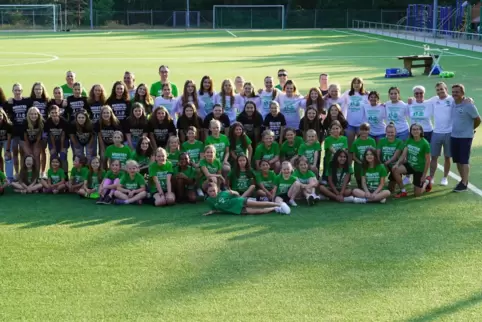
<point x="251" y="151"/>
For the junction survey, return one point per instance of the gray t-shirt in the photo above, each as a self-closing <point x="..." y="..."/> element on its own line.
<point x="463" y="116"/>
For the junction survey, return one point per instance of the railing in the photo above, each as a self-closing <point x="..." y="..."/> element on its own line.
<point x="455" y="39"/>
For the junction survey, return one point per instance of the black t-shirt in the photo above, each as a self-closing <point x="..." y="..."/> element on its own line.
<point x="32" y="133"/>
<point x="224" y="119"/>
<point x="17" y="111"/>
<point x="274" y="123"/>
<point x="135" y="129"/>
<point x="95" y="109"/>
<point x="184" y="122"/>
<point x="106" y="132"/>
<point x="121" y="108"/>
<point x="5" y="129"/>
<point x="56" y="130"/>
<point x="82" y="136"/>
<point x="60" y="105"/>
<point x="75" y="104"/>
<point x="323" y="92"/>
<point x="42" y="106"/>
<point x="250" y="123"/>
<point x="162" y="131"/>
<point x="312" y="126"/>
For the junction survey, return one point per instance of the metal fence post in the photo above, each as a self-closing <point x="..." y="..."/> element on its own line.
<point x="315" y="19"/>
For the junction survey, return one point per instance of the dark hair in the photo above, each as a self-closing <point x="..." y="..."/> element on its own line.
<point x="44" y="97"/>
<point x="184" y="121"/>
<point x="223" y="94"/>
<point x="149" y="150"/>
<point x="179" y="164"/>
<point x="374" y="93"/>
<point x="232" y="138"/>
<point x="82" y="160"/>
<point x="185" y="95"/>
<point x="24" y="172"/>
<point x="133" y="121"/>
<point x="365" y="126"/>
<point x="320" y="103"/>
<point x="54" y="157"/>
<point x="311" y="125"/>
<point x="244" y="115"/>
<point x="153" y="119"/>
<point x="201" y="86"/>
<point x="376" y="161"/>
<point x="3" y="99"/>
<point x="147" y="100"/>
<point x="91" y="172"/>
<point x="421" y="129"/>
<point x="341" y="118"/>
<point x="335" y="166"/>
<point x="394" y="88"/>
<point x="125" y="94"/>
<point x="237" y="170"/>
<point x="87" y="125"/>
<point x="352" y="89"/>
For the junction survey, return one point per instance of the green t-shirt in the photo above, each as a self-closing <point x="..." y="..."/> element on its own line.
<point x="78" y="174"/>
<point x="174" y="157"/>
<point x="388" y="149"/>
<point x="304" y="178"/>
<point x="161" y="172"/>
<point x="283" y="184"/>
<point x="190" y="172"/>
<point x="132" y="183"/>
<point x="112" y="176"/>
<point x="264" y="153"/>
<point x="374" y="176"/>
<point x="141" y="159"/>
<point x="359" y="146"/>
<point x="340" y="176"/>
<point x="337" y="143"/>
<point x="156" y="89"/>
<point x="268" y="182"/>
<point x="288" y="151"/>
<point x="93" y="179"/>
<point x="240" y="183"/>
<point x="416" y="153"/>
<point x="226" y="202"/>
<point x="309" y="151"/>
<point x="239" y="148"/>
<point x="212" y="168"/>
<point x="279" y="87"/>
<point x="220" y="144"/>
<point x="29" y="177"/>
<point x="194" y="150"/>
<point x="118" y="153"/>
<point x="69" y="91"/>
<point x="3" y="178"/>
<point x="55" y="177"/>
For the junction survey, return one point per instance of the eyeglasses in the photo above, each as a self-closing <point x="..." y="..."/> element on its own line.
<point x="418" y="93"/>
<point x="281" y="75"/>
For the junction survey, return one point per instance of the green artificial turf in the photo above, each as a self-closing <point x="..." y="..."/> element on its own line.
<point x="63" y="258"/>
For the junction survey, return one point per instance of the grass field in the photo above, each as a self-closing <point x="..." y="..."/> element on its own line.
<point x="67" y="259"/>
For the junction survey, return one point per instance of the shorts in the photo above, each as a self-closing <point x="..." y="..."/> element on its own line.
<point x="460" y="148"/>
<point x="17" y="141"/>
<point x="284" y="196"/>
<point x="417" y="175"/>
<point x="378" y="137"/>
<point x="57" y="145"/>
<point x="353" y="129"/>
<point x="428" y="136"/>
<point x="244" y="211"/>
<point x="403" y="135"/>
<point x="438" y="141"/>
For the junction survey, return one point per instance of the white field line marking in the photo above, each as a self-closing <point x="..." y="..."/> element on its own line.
<point x="52" y="58"/>
<point x="215" y="59"/>
<point x="229" y="32"/>
<point x="440" y="167"/>
<point x="405" y="44"/>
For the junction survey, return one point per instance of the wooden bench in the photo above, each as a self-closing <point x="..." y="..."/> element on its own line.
<point x="408" y="62"/>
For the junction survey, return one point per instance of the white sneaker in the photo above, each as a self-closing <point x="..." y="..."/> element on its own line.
<point x="316" y="196"/>
<point x="285" y="209"/>
<point x="383" y="200"/>
<point x="200" y="193"/>
<point x="251" y="199"/>
<point x="43" y="175"/>
<point x="444" y="181"/>
<point x="322" y="197"/>
<point x="359" y="200"/>
<point x="432" y="181"/>
<point x="407" y="180"/>
<point x="349" y="199"/>
<point x="293" y="203"/>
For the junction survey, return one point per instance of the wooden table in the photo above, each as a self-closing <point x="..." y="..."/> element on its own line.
<point x="408" y="62"/>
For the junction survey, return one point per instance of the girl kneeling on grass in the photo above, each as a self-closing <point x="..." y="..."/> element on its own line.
<point x="92" y="180"/>
<point x="373" y="180"/>
<point x="265" y="179"/>
<point x="338" y="173"/>
<point x="55" y="181"/>
<point x="110" y="183"/>
<point x="308" y="181"/>
<point x="28" y="177"/>
<point x="185" y="179"/>
<point x="289" y="148"/>
<point x="118" y="151"/>
<point x="389" y="149"/>
<point x="77" y="174"/>
<point x="268" y="150"/>
<point x="311" y="150"/>
<point x="160" y="175"/>
<point x="230" y="202"/>
<point x="241" y="178"/>
<point x="358" y="148"/>
<point x="211" y="168"/>
<point x="132" y="187"/>
<point x="417" y="156"/>
<point x="287" y="187"/>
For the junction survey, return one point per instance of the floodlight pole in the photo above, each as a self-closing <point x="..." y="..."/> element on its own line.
<point x="91" y="14"/>
<point x="434" y="17"/>
<point x="187" y="13"/>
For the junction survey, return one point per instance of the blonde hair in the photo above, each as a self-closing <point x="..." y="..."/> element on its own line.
<point x="118" y="133"/>
<point x="286" y="164"/>
<point x="311" y="132"/>
<point x="132" y="163"/>
<point x="6" y="119"/>
<point x="113" y="119"/>
<point x="162" y="150"/>
<point x="171" y="139"/>
<point x="212" y="147"/>
<point x="40" y="121"/>
<point x="276" y="104"/>
<point x="213" y="123"/>
<point x="266" y="133"/>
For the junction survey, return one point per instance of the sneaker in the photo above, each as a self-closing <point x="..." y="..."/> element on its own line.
<point x="349" y="199"/>
<point x="310" y="200"/>
<point x="322" y="197"/>
<point x="285" y="209"/>
<point x="119" y="202"/>
<point x="100" y="201"/>
<point x="200" y="193"/>
<point x="293" y="203"/>
<point x="315" y="196"/>
<point x="460" y="187"/>
<point x="401" y="195"/>
<point x="107" y="200"/>
<point x="359" y="200"/>
<point x="444" y="181"/>
<point x="43" y="175"/>
<point x="407" y="180"/>
<point x="428" y="188"/>
<point x="383" y="200"/>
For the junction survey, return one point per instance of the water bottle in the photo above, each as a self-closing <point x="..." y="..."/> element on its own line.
<point x="9" y="169"/>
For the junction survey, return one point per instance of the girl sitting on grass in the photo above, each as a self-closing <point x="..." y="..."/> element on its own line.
<point x="28" y="177"/>
<point x="230" y="202"/>
<point x="173" y="150"/>
<point x="185" y="179"/>
<point x="359" y="147"/>
<point x="110" y="183"/>
<point x="211" y="168"/>
<point x="338" y="173"/>
<point x="289" y="148"/>
<point x="135" y="127"/>
<point x="307" y="180"/>
<point x="389" y="149"/>
<point x="160" y="176"/>
<point x="265" y="180"/>
<point x="311" y="150"/>
<point x="334" y="142"/>
<point x="193" y="147"/>
<point x="92" y="180"/>
<point x="268" y="150"/>
<point x="118" y="151"/>
<point x="77" y="174"/>
<point x="221" y="143"/>
<point x="239" y="142"/>
<point x="55" y="181"/>
<point x="132" y="187"/>
<point x="143" y="155"/>
<point x="287" y="187"/>
<point x="241" y="178"/>
<point x="372" y="180"/>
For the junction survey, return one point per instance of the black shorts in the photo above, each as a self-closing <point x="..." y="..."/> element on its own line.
<point x="417" y="175"/>
<point x="284" y="196"/>
<point x="460" y="148"/>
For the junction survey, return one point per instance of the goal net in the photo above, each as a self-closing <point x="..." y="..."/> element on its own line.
<point x="248" y="17"/>
<point x="30" y="17"/>
<point x="188" y="19"/>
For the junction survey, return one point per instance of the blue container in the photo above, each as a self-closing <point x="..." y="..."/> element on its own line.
<point x="9" y="169"/>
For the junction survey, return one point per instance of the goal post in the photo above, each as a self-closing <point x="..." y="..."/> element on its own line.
<point x="30" y="17"/>
<point x="249" y="16"/>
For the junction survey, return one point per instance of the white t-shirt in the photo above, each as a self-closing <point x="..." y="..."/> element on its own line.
<point x="290" y="108"/>
<point x="265" y="98"/>
<point x="353" y="109"/>
<point x="240" y="101"/>
<point x="179" y="108"/>
<point x="442" y="114"/>
<point x="330" y="101"/>
<point x="422" y="114"/>
<point x="207" y="106"/>
<point x="230" y="110"/>
<point x="375" y="116"/>
<point x="398" y="114"/>
<point x="169" y="104"/>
